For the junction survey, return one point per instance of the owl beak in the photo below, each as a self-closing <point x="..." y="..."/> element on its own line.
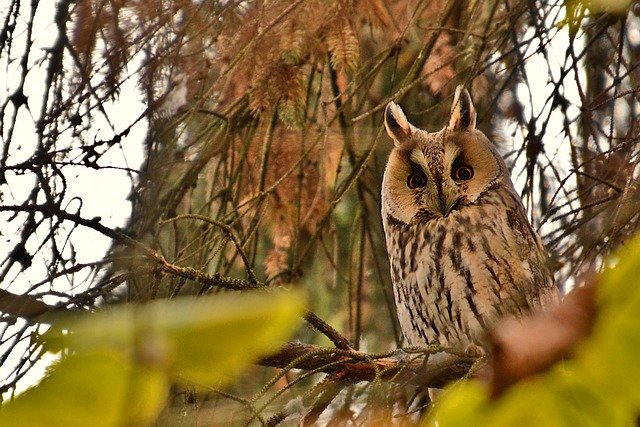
<point x="446" y="206"/>
<point x="443" y="206"/>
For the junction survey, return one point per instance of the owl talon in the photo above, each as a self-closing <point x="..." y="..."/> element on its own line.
<point x="474" y="350"/>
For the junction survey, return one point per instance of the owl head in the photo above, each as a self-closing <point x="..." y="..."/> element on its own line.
<point x="433" y="174"/>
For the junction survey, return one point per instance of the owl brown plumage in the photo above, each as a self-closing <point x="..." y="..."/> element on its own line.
<point x="461" y="248"/>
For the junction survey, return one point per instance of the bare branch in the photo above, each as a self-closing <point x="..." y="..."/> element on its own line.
<point x="435" y="371"/>
<point x="25" y="306"/>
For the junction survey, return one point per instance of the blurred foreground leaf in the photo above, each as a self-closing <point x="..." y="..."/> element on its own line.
<point x="608" y="6"/>
<point x="80" y="390"/>
<point x="611" y="358"/>
<point x="597" y="387"/>
<point x="121" y="361"/>
<point x="577" y="10"/>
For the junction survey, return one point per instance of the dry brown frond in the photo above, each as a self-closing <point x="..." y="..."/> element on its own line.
<point x="343" y="46"/>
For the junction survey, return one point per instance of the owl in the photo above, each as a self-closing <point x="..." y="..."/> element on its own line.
<point x="462" y="251"/>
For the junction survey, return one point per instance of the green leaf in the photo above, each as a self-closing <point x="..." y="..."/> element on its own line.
<point x="147" y="392"/>
<point x="574" y="15"/>
<point x="576" y="12"/>
<point x="610" y="356"/>
<point x="203" y="340"/>
<point x="608" y="6"/>
<point x="239" y="330"/>
<point x="123" y="359"/>
<point x="80" y="390"/>
<point x="90" y="389"/>
<point x="461" y="404"/>
<point x="581" y="403"/>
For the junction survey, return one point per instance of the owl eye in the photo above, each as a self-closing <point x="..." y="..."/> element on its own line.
<point x="463" y="173"/>
<point x="416" y="180"/>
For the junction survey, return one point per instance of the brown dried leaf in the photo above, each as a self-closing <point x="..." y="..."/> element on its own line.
<point x="439" y="68"/>
<point x="84" y="32"/>
<point x="524" y="347"/>
<point x="344" y="47"/>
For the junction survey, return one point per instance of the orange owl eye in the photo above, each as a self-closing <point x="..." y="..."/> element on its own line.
<point x="463" y="173"/>
<point x="416" y="180"/>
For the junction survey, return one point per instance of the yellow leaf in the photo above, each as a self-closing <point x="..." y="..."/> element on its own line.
<point x="80" y="390"/>
<point x="204" y="340"/>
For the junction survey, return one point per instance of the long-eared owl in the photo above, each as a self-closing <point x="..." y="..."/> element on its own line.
<point x="461" y="249"/>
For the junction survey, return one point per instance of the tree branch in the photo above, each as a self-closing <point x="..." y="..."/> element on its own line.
<point x="327" y="330"/>
<point x="26" y="306"/>
<point x="207" y="280"/>
<point x="357" y="366"/>
<point x="347" y="364"/>
<point x="216" y="280"/>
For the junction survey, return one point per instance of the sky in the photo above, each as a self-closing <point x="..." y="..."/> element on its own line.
<point x="103" y="191"/>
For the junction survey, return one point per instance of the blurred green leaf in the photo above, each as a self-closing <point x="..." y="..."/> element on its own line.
<point x="608" y="6"/>
<point x="80" y="390"/>
<point x="610" y="357"/>
<point x="147" y="391"/>
<point x="199" y="339"/>
<point x="574" y="15"/>
<point x="461" y="404"/>
<point x="245" y="328"/>
<point x="123" y="359"/>
<point x="577" y="10"/>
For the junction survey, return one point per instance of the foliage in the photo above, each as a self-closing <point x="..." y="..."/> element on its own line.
<point x="118" y="364"/>
<point x="595" y="387"/>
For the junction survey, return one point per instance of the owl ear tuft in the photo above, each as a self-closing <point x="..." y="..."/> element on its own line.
<point x="396" y="123"/>
<point x="463" y="113"/>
